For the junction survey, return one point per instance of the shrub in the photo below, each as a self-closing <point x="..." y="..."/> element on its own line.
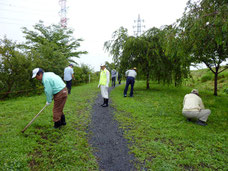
<point x="206" y="77"/>
<point x="226" y="90"/>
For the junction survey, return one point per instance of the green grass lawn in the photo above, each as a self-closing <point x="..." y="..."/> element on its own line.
<point x="162" y="139"/>
<point x="42" y="147"/>
<point x="159" y="136"/>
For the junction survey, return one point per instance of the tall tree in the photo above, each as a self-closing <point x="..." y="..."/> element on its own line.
<point x="205" y="28"/>
<point x="52" y="47"/>
<point x="178" y="59"/>
<point x="115" y="45"/>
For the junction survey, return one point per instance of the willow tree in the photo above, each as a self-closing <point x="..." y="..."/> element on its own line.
<point x="179" y="60"/>
<point x="205" y="28"/>
<point x="115" y="45"/>
<point x="160" y="64"/>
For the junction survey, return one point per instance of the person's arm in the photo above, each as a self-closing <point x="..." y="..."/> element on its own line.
<point x="108" y="78"/>
<point x="201" y="104"/>
<point x="72" y="72"/>
<point x="48" y="91"/>
<point x="126" y="73"/>
<point x="99" y="80"/>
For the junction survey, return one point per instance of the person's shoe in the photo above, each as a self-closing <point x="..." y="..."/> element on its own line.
<point x="202" y="123"/>
<point x="63" y="121"/>
<point x="106" y="103"/>
<point x="57" y="124"/>
<point x="189" y="119"/>
<point x="125" y="95"/>
<point x="103" y="103"/>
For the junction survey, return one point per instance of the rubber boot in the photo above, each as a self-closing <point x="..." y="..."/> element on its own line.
<point x="57" y="124"/>
<point x="103" y="103"/>
<point x="63" y="121"/>
<point x="106" y="103"/>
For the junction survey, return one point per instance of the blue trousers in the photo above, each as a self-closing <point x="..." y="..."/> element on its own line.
<point x="130" y="80"/>
<point x="113" y="81"/>
<point x="68" y="85"/>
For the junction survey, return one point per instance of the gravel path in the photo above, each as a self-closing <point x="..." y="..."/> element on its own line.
<point x="110" y="146"/>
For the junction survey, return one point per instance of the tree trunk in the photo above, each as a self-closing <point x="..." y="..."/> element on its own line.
<point x="10" y="85"/>
<point x="147" y="81"/>
<point x="216" y="81"/>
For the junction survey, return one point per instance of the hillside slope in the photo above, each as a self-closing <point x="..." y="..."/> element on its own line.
<point x="203" y="79"/>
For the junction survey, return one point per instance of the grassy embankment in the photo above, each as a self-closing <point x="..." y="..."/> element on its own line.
<point x="42" y="147"/>
<point x="162" y="139"/>
<point x="203" y="79"/>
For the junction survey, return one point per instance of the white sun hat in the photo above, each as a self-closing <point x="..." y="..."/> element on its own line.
<point x="34" y="72"/>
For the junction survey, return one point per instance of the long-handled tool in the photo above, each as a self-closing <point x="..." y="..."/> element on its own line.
<point x="33" y="119"/>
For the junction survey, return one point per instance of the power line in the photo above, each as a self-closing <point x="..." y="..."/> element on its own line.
<point x="16" y="19"/>
<point x="25" y="12"/>
<point x="24" y="7"/>
<point x="13" y="23"/>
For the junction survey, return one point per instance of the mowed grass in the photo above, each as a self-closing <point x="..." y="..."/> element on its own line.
<point x="162" y="139"/>
<point x="42" y="147"/>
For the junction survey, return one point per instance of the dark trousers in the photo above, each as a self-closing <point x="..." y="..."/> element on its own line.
<point x="68" y="85"/>
<point x="113" y="81"/>
<point x="130" y="80"/>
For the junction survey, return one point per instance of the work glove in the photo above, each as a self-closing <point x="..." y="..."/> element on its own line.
<point x="47" y="103"/>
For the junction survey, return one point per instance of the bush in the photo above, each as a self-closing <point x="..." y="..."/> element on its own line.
<point x="15" y="70"/>
<point x="226" y="90"/>
<point x="206" y="77"/>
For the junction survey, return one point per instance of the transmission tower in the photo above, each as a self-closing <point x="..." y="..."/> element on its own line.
<point x="139" y="25"/>
<point x="62" y="13"/>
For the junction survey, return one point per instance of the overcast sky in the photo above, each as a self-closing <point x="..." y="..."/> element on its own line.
<point x="92" y="20"/>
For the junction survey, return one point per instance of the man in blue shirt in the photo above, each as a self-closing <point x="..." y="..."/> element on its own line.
<point x="68" y="75"/>
<point x="55" y="88"/>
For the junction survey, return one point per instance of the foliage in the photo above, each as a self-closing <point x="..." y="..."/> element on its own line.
<point x="51" y="47"/>
<point x="203" y="79"/>
<point x="206" y="78"/>
<point x="204" y="27"/>
<point x="15" y="69"/>
<point x="115" y="46"/>
<point x="82" y="74"/>
<point x="160" y="137"/>
<point x="42" y="147"/>
<point x="111" y="66"/>
<point x="157" y="54"/>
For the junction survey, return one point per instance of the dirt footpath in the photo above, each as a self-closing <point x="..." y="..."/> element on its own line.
<point x="107" y="139"/>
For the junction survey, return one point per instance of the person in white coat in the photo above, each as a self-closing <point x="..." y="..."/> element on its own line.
<point x="193" y="108"/>
<point x="104" y="84"/>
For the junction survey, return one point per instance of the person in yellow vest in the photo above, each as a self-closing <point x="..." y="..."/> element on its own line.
<point x="104" y="83"/>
